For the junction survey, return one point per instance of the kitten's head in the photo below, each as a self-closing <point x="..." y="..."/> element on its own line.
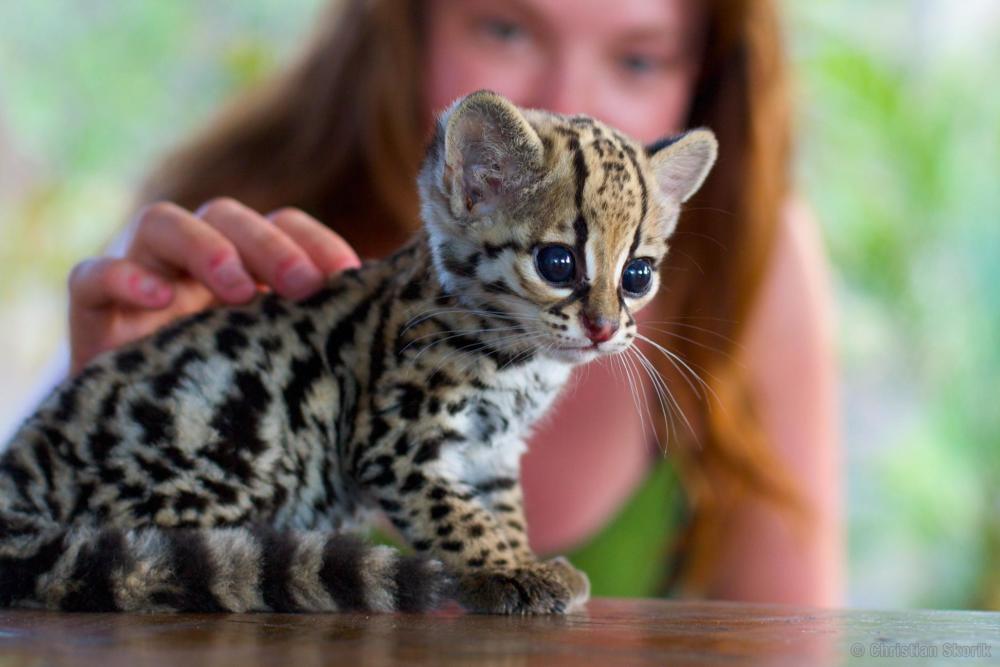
<point x="560" y="223"/>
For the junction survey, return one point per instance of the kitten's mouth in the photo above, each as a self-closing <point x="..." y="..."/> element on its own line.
<point x="585" y="351"/>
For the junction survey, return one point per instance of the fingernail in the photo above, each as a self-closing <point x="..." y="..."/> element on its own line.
<point x="151" y="288"/>
<point x="300" y="278"/>
<point x="231" y="274"/>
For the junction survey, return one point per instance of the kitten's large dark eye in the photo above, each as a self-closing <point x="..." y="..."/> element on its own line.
<point x="637" y="277"/>
<point x="556" y="264"/>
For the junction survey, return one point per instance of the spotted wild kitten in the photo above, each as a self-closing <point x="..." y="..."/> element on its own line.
<point x="218" y="464"/>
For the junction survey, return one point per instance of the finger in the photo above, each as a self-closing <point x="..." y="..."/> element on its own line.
<point x="170" y="239"/>
<point x="102" y="282"/>
<point x="327" y="249"/>
<point x="267" y="252"/>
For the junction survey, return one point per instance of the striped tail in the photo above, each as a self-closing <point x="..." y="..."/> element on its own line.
<point x="210" y="570"/>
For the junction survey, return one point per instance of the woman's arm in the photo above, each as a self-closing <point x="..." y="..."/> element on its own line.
<point x="791" y="360"/>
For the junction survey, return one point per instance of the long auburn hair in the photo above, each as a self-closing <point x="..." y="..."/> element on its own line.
<point x="341" y="132"/>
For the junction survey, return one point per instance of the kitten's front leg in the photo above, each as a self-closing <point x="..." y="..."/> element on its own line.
<point x="530" y="586"/>
<point x="478" y="531"/>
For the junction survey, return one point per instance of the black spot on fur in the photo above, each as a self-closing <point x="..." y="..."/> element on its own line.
<point x="129" y="361"/>
<point x="101" y="442"/>
<point x="388" y="505"/>
<point x="439" y="511"/>
<point x="230" y="342"/>
<point x="277" y="553"/>
<point x="305" y="373"/>
<point x="237" y="419"/>
<point x="413" y="291"/>
<point x="194" y="573"/>
<point x="322" y="297"/>
<point x="157" y="424"/>
<point x="414" y="482"/>
<point x="166" y="382"/>
<point x="272" y="307"/>
<point x="66" y="407"/>
<point x="415" y="586"/>
<point x="496" y="484"/>
<point x="342" y="335"/>
<point x="402" y="446"/>
<point x="304" y="328"/>
<point x="150" y="506"/>
<point x="167" y="335"/>
<point x="241" y="318"/>
<point x="428" y="451"/>
<point x="439" y="379"/>
<point x="190" y="501"/>
<point x="91" y="586"/>
<point x="410" y="401"/>
<point x="493" y="250"/>
<point x="343" y="558"/>
<point x="156" y="469"/>
<point x="224" y="493"/>
<point x="384" y="478"/>
<point x="19" y="575"/>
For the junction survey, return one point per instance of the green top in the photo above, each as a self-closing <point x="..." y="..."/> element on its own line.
<point x="630" y="557"/>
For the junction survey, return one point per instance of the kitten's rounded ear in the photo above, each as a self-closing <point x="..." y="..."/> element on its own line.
<point x="490" y="152"/>
<point x="682" y="163"/>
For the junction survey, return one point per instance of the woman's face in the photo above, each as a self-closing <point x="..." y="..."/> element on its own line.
<point x="629" y="63"/>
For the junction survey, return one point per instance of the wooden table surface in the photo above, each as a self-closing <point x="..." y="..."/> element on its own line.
<point x="626" y="632"/>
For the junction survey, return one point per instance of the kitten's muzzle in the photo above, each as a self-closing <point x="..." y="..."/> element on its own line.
<point x="598" y="329"/>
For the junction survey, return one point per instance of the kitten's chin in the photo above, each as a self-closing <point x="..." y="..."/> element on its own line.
<point x="579" y="355"/>
<point x="573" y="355"/>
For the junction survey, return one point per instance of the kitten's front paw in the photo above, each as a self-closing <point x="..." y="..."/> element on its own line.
<point x="576" y="580"/>
<point x="554" y="587"/>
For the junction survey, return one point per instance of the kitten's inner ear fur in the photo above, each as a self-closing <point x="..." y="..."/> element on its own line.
<point x="491" y="152"/>
<point x="682" y="163"/>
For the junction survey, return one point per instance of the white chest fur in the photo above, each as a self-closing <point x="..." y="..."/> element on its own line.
<point x="499" y="420"/>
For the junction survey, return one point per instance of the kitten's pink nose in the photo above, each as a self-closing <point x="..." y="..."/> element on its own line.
<point x="599" y="329"/>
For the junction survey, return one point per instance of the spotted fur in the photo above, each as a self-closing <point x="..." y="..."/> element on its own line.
<point x="221" y="463"/>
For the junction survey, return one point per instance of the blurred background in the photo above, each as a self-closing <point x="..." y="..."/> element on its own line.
<point x="899" y="136"/>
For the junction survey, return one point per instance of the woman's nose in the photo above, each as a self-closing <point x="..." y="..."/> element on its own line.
<point x="566" y="86"/>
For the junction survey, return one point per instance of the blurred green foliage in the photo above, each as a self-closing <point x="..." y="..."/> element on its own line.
<point x="900" y="158"/>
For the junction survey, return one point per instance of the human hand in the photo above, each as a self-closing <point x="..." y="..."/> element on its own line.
<point x="178" y="263"/>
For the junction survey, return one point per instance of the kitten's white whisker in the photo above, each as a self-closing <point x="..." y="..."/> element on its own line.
<point x="676" y="359"/>
<point x="640" y="391"/>
<point x="710" y="348"/>
<point x="636" y="400"/>
<point x="662" y="384"/>
<point x="659" y="396"/>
